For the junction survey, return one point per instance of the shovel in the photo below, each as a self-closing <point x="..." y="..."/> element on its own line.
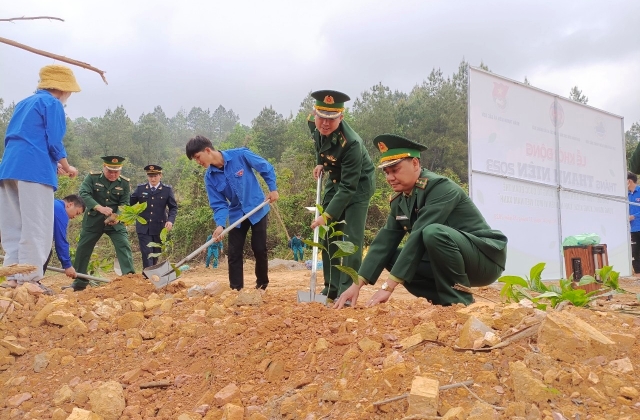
<point x="311" y="296"/>
<point x="80" y="275"/>
<point x="162" y="273"/>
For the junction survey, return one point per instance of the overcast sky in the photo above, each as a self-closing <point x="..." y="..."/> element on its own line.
<point x="245" y="55"/>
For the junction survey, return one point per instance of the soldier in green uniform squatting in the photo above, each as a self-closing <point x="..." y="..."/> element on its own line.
<point x="351" y="182"/>
<point x="449" y="241"/>
<point x="103" y="192"/>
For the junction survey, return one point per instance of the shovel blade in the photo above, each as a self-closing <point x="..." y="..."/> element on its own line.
<point x="158" y="276"/>
<point x="304" y="296"/>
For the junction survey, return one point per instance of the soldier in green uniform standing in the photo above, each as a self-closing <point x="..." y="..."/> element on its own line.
<point x="103" y="192"/>
<point x="351" y="182"/>
<point x="449" y="240"/>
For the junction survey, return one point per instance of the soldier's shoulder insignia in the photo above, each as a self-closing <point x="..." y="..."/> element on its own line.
<point x="142" y="185"/>
<point x="394" y="196"/>
<point x="94" y="172"/>
<point x="167" y="186"/>
<point x="125" y="178"/>
<point x="344" y="140"/>
<point x="422" y="183"/>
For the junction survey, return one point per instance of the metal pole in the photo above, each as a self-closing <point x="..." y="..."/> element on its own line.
<point x="316" y="238"/>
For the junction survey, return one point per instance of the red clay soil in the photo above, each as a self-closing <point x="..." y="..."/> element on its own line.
<point x="288" y="360"/>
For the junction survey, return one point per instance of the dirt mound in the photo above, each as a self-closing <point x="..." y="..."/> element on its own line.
<point x="128" y="351"/>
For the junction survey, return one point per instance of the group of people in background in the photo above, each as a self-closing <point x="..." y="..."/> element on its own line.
<point x="448" y="241"/>
<point x="104" y="192"/>
<point x="30" y="217"/>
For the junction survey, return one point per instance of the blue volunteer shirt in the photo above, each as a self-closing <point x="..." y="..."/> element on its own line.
<point x="60" y="224"/>
<point x="33" y="143"/>
<point x="234" y="190"/>
<point x="634" y="197"/>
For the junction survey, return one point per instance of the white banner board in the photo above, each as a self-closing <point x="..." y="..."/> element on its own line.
<point x="544" y="167"/>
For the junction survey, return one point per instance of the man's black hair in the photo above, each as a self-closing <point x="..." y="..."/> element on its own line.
<point x="197" y="144"/>
<point x="633" y="177"/>
<point x="76" y="200"/>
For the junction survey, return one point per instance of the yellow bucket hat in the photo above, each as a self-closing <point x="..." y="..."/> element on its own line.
<point x="58" y="77"/>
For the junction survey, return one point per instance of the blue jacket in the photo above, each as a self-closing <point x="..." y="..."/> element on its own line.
<point x="60" y="224"/>
<point x="234" y="190"/>
<point x="634" y="197"/>
<point x="33" y="143"/>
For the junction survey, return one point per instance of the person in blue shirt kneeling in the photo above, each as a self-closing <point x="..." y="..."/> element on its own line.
<point x="233" y="191"/>
<point x="64" y="210"/>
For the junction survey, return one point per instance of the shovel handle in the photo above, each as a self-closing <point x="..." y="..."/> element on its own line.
<point x="224" y="232"/>
<point x="79" y="275"/>
<point x="316" y="238"/>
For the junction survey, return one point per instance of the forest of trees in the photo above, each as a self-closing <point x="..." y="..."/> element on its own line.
<point x="434" y="113"/>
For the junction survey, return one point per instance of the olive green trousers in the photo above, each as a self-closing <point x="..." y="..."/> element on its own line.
<point x="450" y="258"/>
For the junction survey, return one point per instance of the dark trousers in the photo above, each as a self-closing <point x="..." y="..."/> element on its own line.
<point x="237" y="238"/>
<point x="635" y="251"/>
<point x="144" y="240"/>
<point x="450" y="258"/>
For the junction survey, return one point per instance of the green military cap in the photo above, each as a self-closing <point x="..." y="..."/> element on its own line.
<point x="394" y="148"/>
<point x="112" y="163"/>
<point x="329" y="103"/>
<point x="153" y="169"/>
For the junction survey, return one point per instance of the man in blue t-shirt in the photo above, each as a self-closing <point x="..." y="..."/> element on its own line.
<point x="233" y="191"/>
<point x="634" y="220"/>
<point x="34" y="154"/>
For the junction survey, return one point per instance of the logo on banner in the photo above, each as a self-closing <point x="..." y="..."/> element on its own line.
<point x="500" y="94"/>
<point x="556" y="114"/>
<point x="600" y="130"/>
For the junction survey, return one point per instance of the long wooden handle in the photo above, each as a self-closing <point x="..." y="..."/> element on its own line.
<point x="80" y="275"/>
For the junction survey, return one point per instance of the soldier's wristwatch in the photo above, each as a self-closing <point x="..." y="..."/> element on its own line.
<point x="385" y="287"/>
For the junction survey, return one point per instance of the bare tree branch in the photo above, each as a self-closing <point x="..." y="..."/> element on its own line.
<point x="31" y="18"/>
<point x="55" y="57"/>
